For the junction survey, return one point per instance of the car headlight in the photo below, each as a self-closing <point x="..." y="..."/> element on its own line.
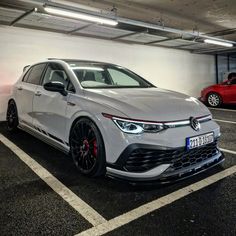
<point x="135" y="126"/>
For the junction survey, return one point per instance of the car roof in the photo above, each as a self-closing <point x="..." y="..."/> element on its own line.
<point x="69" y="61"/>
<point x="80" y="61"/>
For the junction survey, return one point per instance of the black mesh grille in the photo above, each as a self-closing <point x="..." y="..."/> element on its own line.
<point x="142" y="159"/>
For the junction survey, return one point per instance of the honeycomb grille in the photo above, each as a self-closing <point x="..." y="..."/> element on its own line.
<point x="141" y="160"/>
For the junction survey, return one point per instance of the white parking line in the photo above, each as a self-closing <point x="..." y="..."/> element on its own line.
<point x="225" y="121"/>
<point x="156" y="204"/>
<point x="221" y="109"/>
<point x="229" y="151"/>
<point x="78" y="204"/>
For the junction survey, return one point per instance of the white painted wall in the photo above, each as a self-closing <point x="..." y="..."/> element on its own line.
<point x="167" y="68"/>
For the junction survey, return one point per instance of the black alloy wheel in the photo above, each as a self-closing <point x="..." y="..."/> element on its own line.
<point x="87" y="148"/>
<point x="12" y="116"/>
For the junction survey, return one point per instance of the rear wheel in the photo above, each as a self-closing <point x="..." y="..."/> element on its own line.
<point x="87" y="148"/>
<point x="214" y="100"/>
<point x="12" y="116"/>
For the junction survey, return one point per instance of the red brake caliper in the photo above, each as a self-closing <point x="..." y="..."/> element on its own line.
<point x="95" y="149"/>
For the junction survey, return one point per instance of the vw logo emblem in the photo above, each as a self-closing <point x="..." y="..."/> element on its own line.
<point x="195" y="124"/>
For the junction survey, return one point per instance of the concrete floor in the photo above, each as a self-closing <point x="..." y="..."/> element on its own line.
<point x="28" y="206"/>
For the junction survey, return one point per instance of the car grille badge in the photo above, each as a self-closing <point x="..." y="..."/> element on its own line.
<point x="195" y="124"/>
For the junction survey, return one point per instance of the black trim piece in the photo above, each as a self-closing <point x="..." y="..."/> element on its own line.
<point x="228" y="62"/>
<point x="124" y="156"/>
<point x="161" y="179"/>
<point x="45" y="133"/>
<point x="44" y="139"/>
<point x="54" y="137"/>
<point x="217" y="71"/>
<point x="128" y="150"/>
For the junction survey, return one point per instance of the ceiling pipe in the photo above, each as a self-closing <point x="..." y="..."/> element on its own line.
<point x="170" y="30"/>
<point x="194" y="35"/>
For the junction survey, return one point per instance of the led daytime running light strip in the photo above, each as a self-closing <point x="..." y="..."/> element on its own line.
<point x="171" y="124"/>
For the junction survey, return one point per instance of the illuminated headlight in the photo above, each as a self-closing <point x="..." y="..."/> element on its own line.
<point x="135" y="127"/>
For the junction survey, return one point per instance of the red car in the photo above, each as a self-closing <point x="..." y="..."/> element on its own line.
<point x="223" y="93"/>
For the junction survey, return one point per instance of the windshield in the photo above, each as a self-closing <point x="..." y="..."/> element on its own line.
<point x="107" y="76"/>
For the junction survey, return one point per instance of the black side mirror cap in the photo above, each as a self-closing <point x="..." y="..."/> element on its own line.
<point x="56" y="87"/>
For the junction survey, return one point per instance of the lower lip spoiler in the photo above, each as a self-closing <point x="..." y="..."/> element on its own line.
<point x="162" y="175"/>
<point x="134" y="175"/>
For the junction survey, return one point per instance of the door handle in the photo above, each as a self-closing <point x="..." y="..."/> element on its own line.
<point x="20" y="88"/>
<point x="71" y="104"/>
<point x="38" y="93"/>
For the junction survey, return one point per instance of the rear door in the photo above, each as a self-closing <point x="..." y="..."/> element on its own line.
<point x="26" y="91"/>
<point x="49" y="108"/>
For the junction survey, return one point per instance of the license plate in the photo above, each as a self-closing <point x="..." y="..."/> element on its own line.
<point x="200" y="140"/>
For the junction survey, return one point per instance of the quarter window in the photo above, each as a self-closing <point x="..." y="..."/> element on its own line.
<point x="26" y="75"/>
<point x="35" y="74"/>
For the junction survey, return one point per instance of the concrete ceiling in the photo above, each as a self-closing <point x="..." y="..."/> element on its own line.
<point x="203" y="15"/>
<point x="212" y="17"/>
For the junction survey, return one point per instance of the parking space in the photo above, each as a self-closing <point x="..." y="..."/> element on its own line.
<point x="27" y="202"/>
<point x="29" y="206"/>
<point x="205" y="212"/>
<point x="224" y="114"/>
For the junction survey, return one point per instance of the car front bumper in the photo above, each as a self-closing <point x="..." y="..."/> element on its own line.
<point x="177" y="165"/>
<point x="160" y="149"/>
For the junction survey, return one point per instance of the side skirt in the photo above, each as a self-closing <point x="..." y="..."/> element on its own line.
<point x="45" y="138"/>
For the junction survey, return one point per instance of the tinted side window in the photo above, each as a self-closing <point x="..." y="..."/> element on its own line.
<point x="35" y="74"/>
<point x="233" y="81"/>
<point x="26" y="75"/>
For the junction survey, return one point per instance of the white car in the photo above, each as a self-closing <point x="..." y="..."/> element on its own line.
<point x="114" y="122"/>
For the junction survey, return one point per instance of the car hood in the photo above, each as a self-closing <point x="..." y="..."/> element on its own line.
<point x="149" y="103"/>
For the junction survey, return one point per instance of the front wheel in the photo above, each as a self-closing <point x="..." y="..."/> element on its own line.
<point x="87" y="148"/>
<point x="214" y="100"/>
<point x="12" y="117"/>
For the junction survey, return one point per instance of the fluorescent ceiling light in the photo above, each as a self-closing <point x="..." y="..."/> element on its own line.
<point x="80" y="16"/>
<point x="216" y="42"/>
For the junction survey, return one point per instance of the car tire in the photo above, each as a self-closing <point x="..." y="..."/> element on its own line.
<point x="214" y="100"/>
<point x="87" y="148"/>
<point x="12" y="117"/>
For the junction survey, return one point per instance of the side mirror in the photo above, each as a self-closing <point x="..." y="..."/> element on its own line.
<point x="56" y="87"/>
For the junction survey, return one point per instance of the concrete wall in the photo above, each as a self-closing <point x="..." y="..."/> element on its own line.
<point x="167" y="68"/>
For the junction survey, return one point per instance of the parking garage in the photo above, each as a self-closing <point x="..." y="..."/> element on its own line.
<point x="165" y="42"/>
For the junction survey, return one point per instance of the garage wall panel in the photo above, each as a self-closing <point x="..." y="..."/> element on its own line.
<point x="168" y="68"/>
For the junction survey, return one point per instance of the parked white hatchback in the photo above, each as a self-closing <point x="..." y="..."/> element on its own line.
<point x="114" y="122"/>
